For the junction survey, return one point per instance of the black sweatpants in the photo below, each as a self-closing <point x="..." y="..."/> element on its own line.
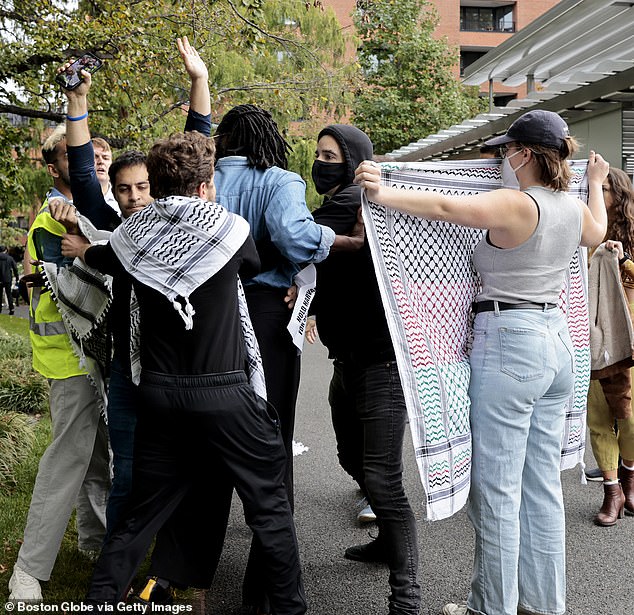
<point x="281" y="362"/>
<point x="182" y="419"/>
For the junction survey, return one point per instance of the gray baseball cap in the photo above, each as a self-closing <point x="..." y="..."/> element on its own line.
<point x="539" y="127"/>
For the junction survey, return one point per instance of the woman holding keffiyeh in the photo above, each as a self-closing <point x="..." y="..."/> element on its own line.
<point x="521" y="360"/>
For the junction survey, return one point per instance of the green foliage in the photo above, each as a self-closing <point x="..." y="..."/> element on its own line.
<point x="410" y="90"/>
<point x="13" y="346"/>
<point x="301" y="162"/>
<point x="284" y="55"/>
<point x="21" y="389"/>
<point x="16" y="441"/>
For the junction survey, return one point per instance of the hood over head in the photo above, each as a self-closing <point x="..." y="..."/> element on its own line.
<point x="355" y="145"/>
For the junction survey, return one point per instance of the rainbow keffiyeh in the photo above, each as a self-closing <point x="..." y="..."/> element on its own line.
<point x="427" y="284"/>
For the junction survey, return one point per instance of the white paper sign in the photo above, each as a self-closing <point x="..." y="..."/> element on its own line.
<point x="305" y="281"/>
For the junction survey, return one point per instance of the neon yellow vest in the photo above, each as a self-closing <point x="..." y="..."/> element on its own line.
<point x="53" y="356"/>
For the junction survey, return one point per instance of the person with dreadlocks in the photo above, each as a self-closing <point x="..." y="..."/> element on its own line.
<point x="252" y="180"/>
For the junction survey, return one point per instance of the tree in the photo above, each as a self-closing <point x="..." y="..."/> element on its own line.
<point x="410" y="88"/>
<point x="285" y="55"/>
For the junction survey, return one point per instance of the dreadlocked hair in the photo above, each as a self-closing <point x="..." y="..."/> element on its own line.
<point x="621" y="212"/>
<point x="247" y="130"/>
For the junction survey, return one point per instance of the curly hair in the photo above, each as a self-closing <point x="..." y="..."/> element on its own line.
<point x="247" y="130"/>
<point x="621" y="212"/>
<point x="178" y="164"/>
<point x="554" y="170"/>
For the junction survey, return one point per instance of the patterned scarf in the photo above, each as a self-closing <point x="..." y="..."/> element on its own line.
<point x="427" y="283"/>
<point x="83" y="296"/>
<point x="174" y="245"/>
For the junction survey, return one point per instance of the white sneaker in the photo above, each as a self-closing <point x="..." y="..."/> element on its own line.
<point x="24" y="587"/>
<point x="455" y="609"/>
<point x="366" y="514"/>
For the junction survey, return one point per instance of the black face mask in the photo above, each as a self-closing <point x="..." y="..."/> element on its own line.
<point x="328" y="175"/>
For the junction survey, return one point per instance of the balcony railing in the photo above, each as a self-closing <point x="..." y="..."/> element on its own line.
<point x="474" y="26"/>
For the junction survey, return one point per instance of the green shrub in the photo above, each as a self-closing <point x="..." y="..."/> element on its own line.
<point x="16" y="441"/>
<point x="14" y="346"/>
<point x="21" y="388"/>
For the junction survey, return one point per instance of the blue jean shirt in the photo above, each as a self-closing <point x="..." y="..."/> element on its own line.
<point x="273" y="201"/>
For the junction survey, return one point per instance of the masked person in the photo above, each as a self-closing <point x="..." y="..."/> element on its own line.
<point x="366" y="400"/>
<point x="522" y="372"/>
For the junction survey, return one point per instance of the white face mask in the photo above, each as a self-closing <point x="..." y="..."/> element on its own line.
<point x="509" y="177"/>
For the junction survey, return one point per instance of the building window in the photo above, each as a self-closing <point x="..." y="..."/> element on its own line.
<point x="482" y="19"/>
<point x="469" y="57"/>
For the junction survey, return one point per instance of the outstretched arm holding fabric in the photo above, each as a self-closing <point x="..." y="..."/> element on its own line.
<point x="509" y="215"/>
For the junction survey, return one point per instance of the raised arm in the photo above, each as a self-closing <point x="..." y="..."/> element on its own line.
<point x="199" y="115"/>
<point x="87" y="193"/>
<point x="595" y="216"/>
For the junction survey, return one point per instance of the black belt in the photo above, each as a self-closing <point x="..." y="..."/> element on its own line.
<point x="489" y="306"/>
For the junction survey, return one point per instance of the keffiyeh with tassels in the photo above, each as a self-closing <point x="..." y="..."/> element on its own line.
<point x="174" y="245"/>
<point x="82" y="296"/>
<point x="427" y="285"/>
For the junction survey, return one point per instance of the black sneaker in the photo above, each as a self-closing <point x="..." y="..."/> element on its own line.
<point x="370" y="552"/>
<point x="155" y="591"/>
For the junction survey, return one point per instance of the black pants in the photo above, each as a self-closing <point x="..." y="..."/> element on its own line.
<point x="281" y="363"/>
<point x="186" y="424"/>
<point x="375" y="395"/>
<point x="6" y="288"/>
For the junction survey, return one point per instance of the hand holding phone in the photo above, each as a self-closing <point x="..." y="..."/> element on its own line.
<point x="71" y="76"/>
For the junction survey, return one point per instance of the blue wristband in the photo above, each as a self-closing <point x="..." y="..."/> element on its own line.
<point x="77" y="117"/>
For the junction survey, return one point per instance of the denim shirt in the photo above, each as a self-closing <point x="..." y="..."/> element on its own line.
<point x="273" y="203"/>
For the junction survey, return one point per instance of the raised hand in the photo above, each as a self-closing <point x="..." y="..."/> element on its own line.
<point x="194" y="65"/>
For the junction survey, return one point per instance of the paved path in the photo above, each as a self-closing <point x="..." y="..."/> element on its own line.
<point x="600" y="560"/>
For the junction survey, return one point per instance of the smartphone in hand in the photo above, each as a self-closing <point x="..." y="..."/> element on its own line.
<point x="71" y="77"/>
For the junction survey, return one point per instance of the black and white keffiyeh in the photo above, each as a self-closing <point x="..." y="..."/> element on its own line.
<point x="177" y="243"/>
<point x="83" y="296"/>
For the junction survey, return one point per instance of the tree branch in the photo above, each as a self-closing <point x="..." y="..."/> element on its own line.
<point x="24" y="112"/>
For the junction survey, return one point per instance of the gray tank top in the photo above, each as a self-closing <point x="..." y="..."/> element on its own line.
<point x="536" y="269"/>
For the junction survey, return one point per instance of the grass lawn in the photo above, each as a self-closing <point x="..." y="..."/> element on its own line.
<point x="13" y="324"/>
<point x="72" y="572"/>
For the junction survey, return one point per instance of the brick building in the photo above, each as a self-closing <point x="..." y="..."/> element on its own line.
<point x="475" y="27"/>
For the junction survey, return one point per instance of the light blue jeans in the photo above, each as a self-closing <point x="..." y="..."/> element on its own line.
<point x="522" y="374"/>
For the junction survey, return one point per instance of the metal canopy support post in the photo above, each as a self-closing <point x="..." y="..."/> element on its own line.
<point x="491" y="105"/>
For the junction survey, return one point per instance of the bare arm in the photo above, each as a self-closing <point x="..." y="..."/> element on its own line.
<point x="501" y="210"/>
<point x="595" y="217"/>
<point x="199" y="98"/>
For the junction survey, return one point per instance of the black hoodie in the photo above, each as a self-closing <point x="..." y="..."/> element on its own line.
<point x="350" y="315"/>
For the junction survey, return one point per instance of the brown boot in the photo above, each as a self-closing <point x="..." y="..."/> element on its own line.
<point x="627" y="484"/>
<point x="612" y="509"/>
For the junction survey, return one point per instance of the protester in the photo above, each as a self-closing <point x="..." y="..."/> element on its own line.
<point x="170" y="567"/>
<point x="184" y="253"/>
<point x="74" y="470"/>
<point x="521" y="360"/>
<point x="365" y="396"/>
<point x="610" y="417"/>
<point x="252" y="181"/>
<point x="8" y="270"/>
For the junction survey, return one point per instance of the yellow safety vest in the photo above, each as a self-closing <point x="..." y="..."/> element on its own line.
<point x="53" y="356"/>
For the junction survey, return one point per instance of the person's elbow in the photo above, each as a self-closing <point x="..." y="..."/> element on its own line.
<point x="593" y="235"/>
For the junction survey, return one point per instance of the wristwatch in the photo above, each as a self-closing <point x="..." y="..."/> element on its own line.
<point x="626" y="257"/>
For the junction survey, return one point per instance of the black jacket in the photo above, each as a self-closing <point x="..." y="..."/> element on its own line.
<point x="350" y="316"/>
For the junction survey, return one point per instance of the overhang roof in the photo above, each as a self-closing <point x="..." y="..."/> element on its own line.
<point x="581" y="53"/>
